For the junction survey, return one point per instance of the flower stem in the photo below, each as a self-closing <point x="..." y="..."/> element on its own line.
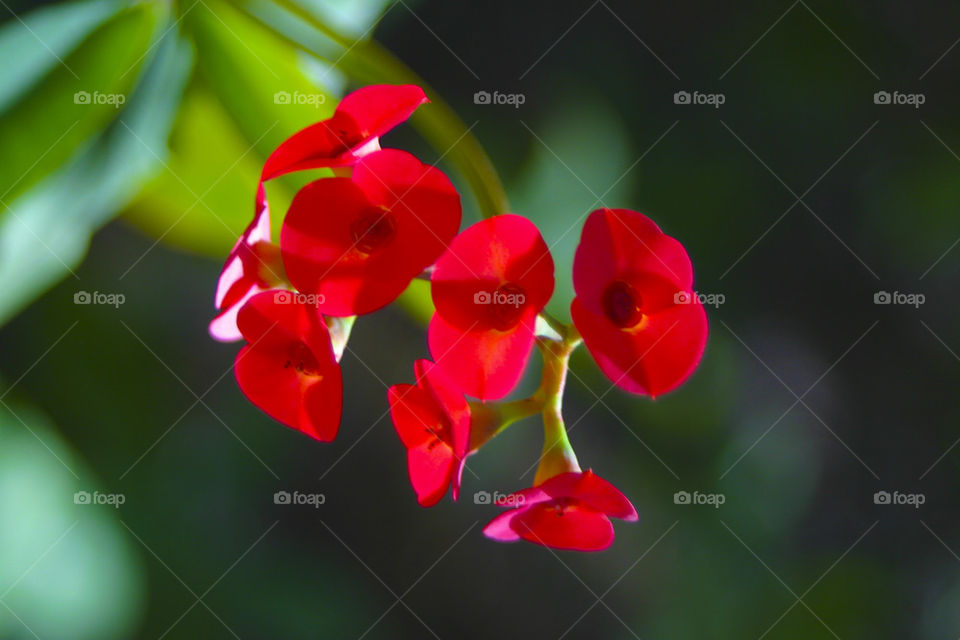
<point x="558" y="455"/>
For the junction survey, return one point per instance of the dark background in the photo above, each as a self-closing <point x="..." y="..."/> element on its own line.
<point x="810" y="397"/>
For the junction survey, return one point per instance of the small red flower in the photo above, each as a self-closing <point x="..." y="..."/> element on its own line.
<point x="253" y="266"/>
<point x="358" y="242"/>
<point x="569" y="511"/>
<point x="288" y="369"/>
<point x="353" y="130"/>
<point x="635" y="306"/>
<point x="488" y="289"/>
<point x="432" y="419"/>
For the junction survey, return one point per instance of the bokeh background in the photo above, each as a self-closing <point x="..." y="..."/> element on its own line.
<point x="799" y="198"/>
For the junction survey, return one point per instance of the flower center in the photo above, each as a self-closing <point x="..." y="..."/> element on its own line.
<point x="301" y="358"/>
<point x="507" y="305"/>
<point x="621" y="303"/>
<point x="373" y="231"/>
<point x="439" y="434"/>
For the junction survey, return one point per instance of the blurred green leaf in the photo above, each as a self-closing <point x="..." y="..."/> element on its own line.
<point x="46" y="233"/>
<point x="45" y="35"/>
<point x="204" y="197"/>
<point x="44" y="129"/>
<point x="69" y="568"/>
<point x="578" y="153"/>
<point x="256" y="75"/>
<point x="352" y="18"/>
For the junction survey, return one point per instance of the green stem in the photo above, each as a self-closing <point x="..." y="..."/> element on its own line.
<point x="558" y="455"/>
<point x="368" y="61"/>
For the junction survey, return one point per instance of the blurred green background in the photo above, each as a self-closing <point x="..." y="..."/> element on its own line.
<point x="800" y="198"/>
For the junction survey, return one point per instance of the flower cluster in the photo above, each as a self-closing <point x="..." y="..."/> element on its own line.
<point x="351" y="244"/>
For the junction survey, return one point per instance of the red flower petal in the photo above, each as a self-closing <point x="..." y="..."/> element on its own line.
<point x="359" y="242"/>
<point x="433" y="422"/>
<point x="634" y="305"/>
<point x="620" y="243"/>
<point x="485" y="364"/>
<point x="288" y="368"/>
<point x="653" y="358"/>
<point x="360" y="118"/>
<point x="488" y="288"/>
<point x="572" y="526"/>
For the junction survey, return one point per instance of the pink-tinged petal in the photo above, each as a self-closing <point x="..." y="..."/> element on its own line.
<point x="224" y="325"/>
<point x="501" y="528"/>
<point x="593" y="491"/>
<point x="653" y="358"/>
<point x="572" y="526"/>
<point x="244" y="274"/>
<point x="288" y="368"/>
<point x="622" y="244"/>
<point x="431" y="467"/>
<point x="484" y="364"/>
<point x="352" y="131"/>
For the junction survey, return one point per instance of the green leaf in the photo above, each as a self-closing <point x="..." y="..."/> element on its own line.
<point x="204" y="197"/>
<point x="258" y="76"/>
<point x="70" y="568"/>
<point x="44" y="128"/>
<point x="45" y="35"/>
<point x="46" y="233"/>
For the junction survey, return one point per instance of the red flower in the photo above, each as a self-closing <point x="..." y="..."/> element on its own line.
<point x="569" y="511"/>
<point x="358" y="242"/>
<point x="353" y="130"/>
<point x="432" y="419"/>
<point x="288" y="369"/>
<point x="253" y="266"/>
<point x="488" y="289"/>
<point x="635" y="306"/>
